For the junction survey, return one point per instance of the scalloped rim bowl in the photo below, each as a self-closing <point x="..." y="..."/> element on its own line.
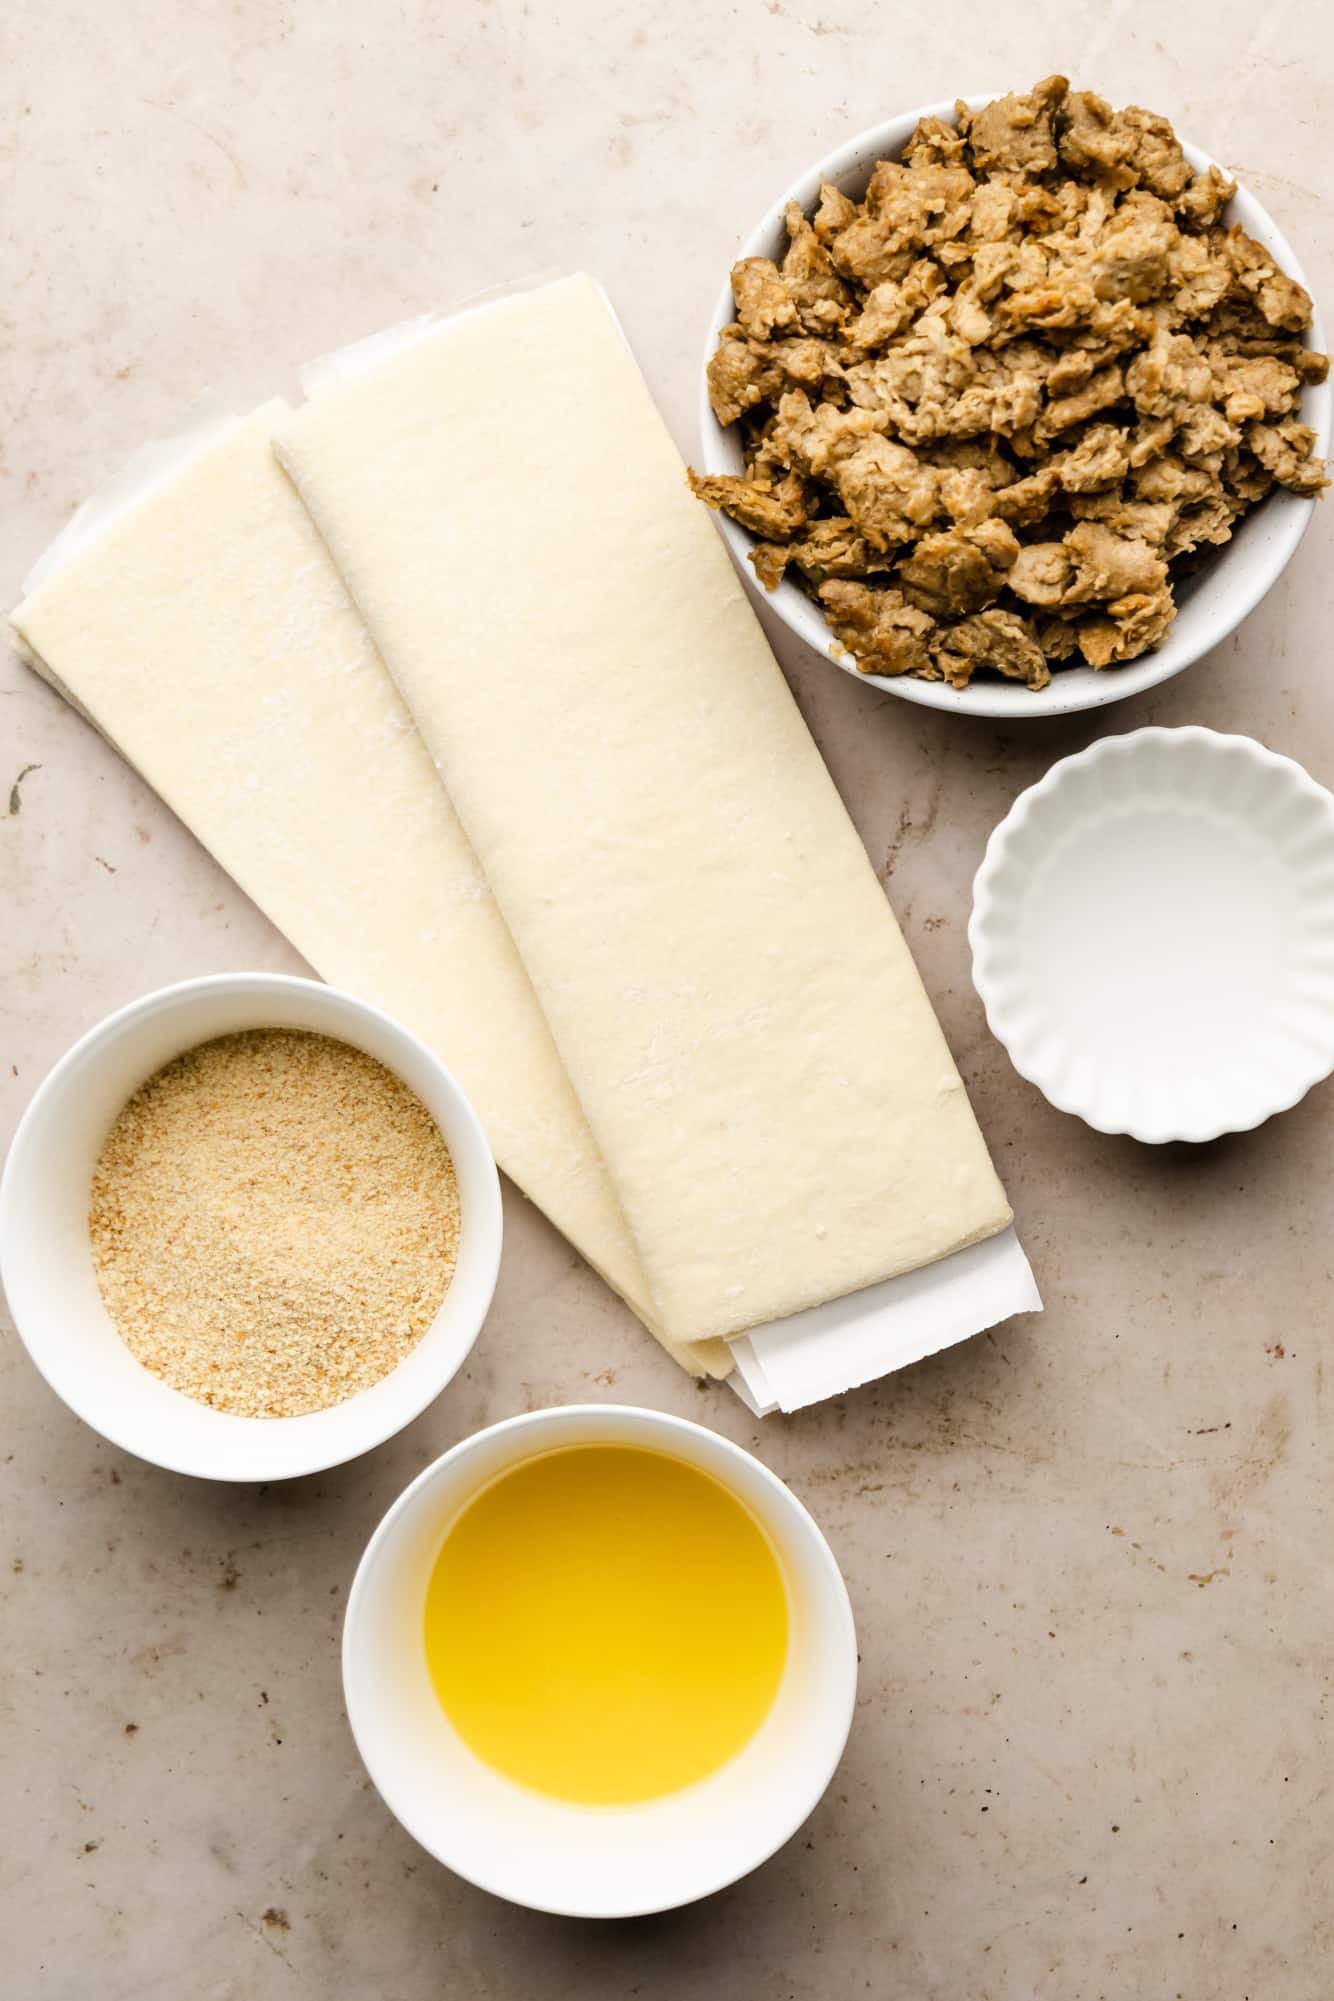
<point x="1211" y="604"/>
<point x="1153" y="934"/>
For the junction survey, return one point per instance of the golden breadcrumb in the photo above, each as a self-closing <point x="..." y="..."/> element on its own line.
<point x="274" y="1222"/>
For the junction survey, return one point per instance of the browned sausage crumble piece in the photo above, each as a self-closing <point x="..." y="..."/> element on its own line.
<point x="990" y="412"/>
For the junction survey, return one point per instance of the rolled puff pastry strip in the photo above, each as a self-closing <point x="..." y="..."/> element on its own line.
<point x="206" y="632"/>
<point x="726" y="985"/>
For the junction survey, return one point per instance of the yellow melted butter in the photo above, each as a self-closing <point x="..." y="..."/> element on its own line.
<point x="606" y="1624"/>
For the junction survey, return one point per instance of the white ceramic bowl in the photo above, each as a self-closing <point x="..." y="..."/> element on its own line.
<point x="46" y="1261"/>
<point x="1153" y="934"/>
<point x="581" y="1861"/>
<point x="1228" y="585"/>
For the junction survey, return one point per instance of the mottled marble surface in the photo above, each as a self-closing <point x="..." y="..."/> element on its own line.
<point x="1089" y="1554"/>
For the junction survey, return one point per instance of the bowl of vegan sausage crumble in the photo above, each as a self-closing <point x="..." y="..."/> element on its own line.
<point x="1015" y="406"/>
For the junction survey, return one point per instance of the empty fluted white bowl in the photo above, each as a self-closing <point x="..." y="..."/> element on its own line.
<point x="1153" y="934"/>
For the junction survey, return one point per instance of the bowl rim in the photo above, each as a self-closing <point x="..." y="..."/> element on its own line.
<point x="1071" y="690"/>
<point x="993" y="899"/>
<point x="487" y="1226"/>
<point x="836" y="1722"/>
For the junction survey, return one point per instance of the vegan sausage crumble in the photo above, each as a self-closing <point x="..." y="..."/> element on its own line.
<point x="994" y="410"/>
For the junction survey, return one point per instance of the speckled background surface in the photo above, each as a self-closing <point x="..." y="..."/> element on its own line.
<point x="1089" y="1554"/>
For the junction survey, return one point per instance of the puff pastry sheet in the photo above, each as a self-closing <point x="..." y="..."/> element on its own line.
<point x="206" y="632"/>
<point x="726" y="986"/>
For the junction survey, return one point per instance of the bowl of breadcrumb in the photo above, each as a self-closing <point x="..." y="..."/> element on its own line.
<point x="250" y="1227"/>
<point x="1015" y="406"/>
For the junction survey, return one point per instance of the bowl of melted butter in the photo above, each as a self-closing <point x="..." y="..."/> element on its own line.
<point x="599" y="1661"/>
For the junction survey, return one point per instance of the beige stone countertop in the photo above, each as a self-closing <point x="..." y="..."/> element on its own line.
<point x="1089" y="1553"/>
